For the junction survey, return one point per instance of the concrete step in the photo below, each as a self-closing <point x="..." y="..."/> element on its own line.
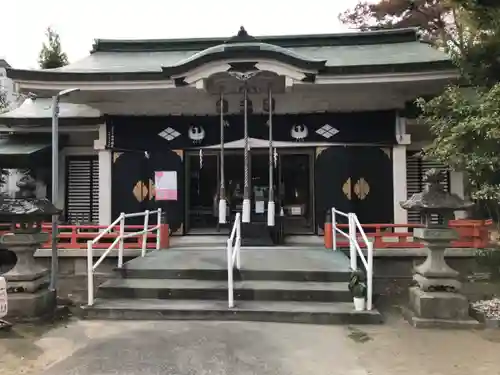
<point x="217" y="290"/>
<point x="286" y="312"/>
<point x="196" y="240"/>
<point x="221" y="274"/>
<point x="266" y="264"/>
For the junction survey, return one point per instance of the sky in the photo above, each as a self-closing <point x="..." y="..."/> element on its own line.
<point x="23" y="22"/>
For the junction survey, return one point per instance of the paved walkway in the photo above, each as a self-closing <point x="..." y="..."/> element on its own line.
<point x="195" y="348"/>
<point x="258" y="259"/>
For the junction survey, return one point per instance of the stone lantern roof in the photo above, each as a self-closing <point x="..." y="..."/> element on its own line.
<point x="26" y="207"/>
<point x="434" y="199"/>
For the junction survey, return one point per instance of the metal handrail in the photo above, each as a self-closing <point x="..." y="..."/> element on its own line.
<point x="354" y="226"/>
<point x="233" y="256"/>
<point x="91" y="266"/>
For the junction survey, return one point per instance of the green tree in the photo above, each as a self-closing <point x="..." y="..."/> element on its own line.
<point x="465" y="124"/>
<point x="51" y="56"/>
<point x="436" y="19"/>
<point x="466" y="29"/>
<point x="479" y="62"/>
<point x="4" y="103"/>
<point x="465" y="121"/>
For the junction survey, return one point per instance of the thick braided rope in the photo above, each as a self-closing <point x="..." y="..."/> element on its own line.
<point x="270" y="109"/>
<point x="222" y="182"/>
<point x="245" y="155"/>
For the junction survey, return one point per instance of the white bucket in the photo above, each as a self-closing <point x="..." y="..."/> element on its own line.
<point x="359" y="304"/>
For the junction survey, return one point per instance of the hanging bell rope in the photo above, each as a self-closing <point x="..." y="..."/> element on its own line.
<point x="271" y="209"/>
<point x="246" y="185"/>
<point x="222" y="194"/>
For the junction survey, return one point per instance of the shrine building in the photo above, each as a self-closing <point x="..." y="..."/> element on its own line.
<point x="269" y="126"/>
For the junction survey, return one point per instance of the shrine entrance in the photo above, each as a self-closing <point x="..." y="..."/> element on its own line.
<point x="292" y="181"/>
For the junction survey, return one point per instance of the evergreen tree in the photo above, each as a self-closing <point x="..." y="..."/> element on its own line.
<point x="479" y="62"/>
<point x="51" y="55"/>
<point x="4" y="105"/>
<point x="457" y="26"/>
<point x="464" y="123"/>
<point x="434" y="18"/>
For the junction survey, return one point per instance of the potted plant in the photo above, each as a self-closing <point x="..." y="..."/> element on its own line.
<point x="357" y="286"/>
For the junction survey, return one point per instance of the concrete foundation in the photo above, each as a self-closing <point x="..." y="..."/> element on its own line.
<point x="27" y="281"/>
<point x="438" y="310"/>
<point x="392" y="266"/>
<point x="31" y="306"/>
<point x="418" y="322"/>
<point x="438" y="305"/>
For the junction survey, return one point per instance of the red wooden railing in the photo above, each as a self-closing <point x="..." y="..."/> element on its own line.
<point x="76" y="236"/>
<point x="472" y="234"/>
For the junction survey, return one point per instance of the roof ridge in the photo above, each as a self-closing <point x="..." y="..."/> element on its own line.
<point x="287" y="41"/>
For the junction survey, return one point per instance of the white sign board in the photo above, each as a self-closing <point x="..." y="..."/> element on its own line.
<point x="3" y="297"/>
<point x="166" y="185"/>
<point x="260" y="207"/>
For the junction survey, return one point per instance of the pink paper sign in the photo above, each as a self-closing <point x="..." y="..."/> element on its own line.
<point x="166" y="185"/>
<point x="166" y="195"/>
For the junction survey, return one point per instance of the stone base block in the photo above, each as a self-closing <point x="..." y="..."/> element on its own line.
<point x="20" y="273"/>
<point x="31" y="306"/>
<point x="428" y="284"/>
<point x="27" y="286"/>
<point x="417" y="322"/>
<point x="438" y="305"/>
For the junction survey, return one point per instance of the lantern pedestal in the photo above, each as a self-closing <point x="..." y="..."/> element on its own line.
<point x="434" y="273"/>
<point x="27" y="292"/>
<point x="28" y="295"/>
<point x="435" y="301"/>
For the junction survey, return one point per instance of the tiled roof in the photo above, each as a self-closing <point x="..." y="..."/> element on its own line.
<point x="336" y="56"/>
<point x="349" y="53"/>
<point x="4" y="64"/>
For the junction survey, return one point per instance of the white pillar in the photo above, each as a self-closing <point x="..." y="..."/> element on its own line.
<point x="61" y="198"/>
<point x="399" y="184"/>
<point x="105" y="165"/>
<point x="457" y="187"/>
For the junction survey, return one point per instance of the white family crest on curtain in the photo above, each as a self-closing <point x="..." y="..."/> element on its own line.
<point x="299" y="132"/>
<point x="169" y="134"/>
<point x="196" y="133"/>
<point x="327" y="131"/>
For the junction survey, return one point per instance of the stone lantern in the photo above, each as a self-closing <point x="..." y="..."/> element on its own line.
<point x="28" y="295"/>
<point x="435" y="299"/>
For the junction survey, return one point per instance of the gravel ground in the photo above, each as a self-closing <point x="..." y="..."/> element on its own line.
<point x="397" y="348"/>
<point x="110" y="347"/>
<point x="490" y="308"/>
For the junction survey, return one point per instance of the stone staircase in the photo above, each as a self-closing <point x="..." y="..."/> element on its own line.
<point x="275" y="285"/>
